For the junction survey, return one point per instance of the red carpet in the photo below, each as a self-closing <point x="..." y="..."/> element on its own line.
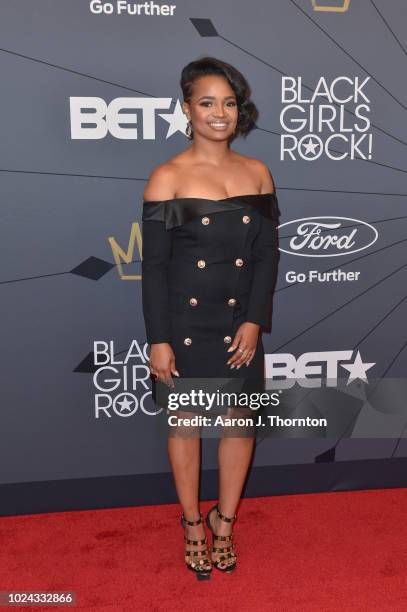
<point x="331" y="551"/>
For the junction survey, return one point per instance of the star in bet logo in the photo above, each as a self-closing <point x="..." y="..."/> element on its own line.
<point x="357" y="369"/>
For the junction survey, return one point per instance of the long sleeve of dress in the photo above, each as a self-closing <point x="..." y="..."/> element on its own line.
<point x="265" y="258"/>
<point x="156" y="253"/>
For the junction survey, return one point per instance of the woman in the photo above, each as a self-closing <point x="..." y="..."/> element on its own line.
<point x="210" y="255"/>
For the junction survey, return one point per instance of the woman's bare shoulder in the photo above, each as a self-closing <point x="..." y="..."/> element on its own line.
<point x="267" y="182"/>
<point x="161" y="183"/>
<point x="260" y="171"/>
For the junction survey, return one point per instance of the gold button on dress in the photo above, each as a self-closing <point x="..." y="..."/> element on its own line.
<point x="187" y="341"/>
<point x="205" y="220"/>
<point x="239" y="263"/>
<point x="193" y="301"/>
<point x="201" y="263"/>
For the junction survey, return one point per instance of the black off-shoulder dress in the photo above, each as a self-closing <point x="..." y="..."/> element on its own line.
<point x="207" y="267"/>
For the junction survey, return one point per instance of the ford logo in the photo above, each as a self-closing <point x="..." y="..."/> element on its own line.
<point x="326" y="236"/>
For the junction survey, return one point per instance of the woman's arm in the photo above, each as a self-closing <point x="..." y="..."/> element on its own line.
<point x="265" y="258"/>
<point x="156" y="255"/>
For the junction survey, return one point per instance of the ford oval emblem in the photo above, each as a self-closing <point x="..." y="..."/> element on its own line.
<point x="327" y="236"/>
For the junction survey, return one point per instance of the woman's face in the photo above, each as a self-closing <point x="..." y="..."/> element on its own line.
<point x="212" y="108"/>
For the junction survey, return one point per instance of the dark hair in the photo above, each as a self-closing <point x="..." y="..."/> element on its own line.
<point x="203" y="66"/>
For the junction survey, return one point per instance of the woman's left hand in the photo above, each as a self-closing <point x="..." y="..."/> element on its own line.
<point x="244" y="343"/>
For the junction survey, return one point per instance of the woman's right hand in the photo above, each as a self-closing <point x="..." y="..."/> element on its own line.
<point x="162" y="363"/>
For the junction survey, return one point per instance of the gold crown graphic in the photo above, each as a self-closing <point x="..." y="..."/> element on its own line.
<point x="339" y="7"/>
<point x="127" y="256"/>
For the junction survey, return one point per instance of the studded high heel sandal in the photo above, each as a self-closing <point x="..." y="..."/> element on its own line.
<point x="227" y="551"/>
<point x="202" y="564"/>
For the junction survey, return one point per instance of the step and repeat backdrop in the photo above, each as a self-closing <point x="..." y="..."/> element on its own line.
<point x="90" y="104"/>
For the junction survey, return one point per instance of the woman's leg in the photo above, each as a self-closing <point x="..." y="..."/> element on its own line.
<point x="184" y="445"/>
<point x="184" y="449"/>
<point x="234" y="455"/>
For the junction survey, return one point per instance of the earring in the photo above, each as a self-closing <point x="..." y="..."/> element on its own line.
<point x="188" y="130"/>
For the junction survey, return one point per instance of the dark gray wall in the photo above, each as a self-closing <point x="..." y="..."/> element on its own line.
<point x="63" y="198"/>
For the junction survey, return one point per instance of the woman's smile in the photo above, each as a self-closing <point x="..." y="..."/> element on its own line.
<point x="219" y="125"/>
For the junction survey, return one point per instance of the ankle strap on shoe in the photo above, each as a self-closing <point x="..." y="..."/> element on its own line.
<point x="227" y="519"/>
<point x="192" y="523"/>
